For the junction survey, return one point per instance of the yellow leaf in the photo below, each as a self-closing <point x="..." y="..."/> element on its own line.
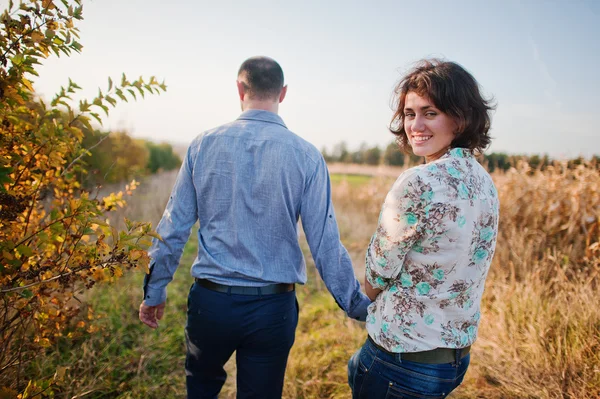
<point x="103" y="248"/>
<point x="48" y="4"/>
<point x="144" y="262"/>
<point x="99" y="275"/>
<point x="136" y="254"/>
<point x="27" y="84"/>
<point x="37" y="37"/>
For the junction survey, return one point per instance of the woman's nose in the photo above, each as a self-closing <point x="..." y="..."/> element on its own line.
<point x="418" y="124"/>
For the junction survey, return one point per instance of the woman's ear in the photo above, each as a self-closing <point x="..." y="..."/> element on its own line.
<point x="459" y="126"/>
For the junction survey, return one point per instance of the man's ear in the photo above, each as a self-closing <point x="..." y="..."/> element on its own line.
<point x="241" y="90"/>
<point x="283" y="93"/>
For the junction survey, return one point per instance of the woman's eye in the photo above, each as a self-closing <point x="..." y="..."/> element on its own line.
<point x="431" y="114"/>
<point x="409" y="115"/>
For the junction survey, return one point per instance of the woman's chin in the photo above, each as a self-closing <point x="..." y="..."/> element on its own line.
<point x="420" y="152"/>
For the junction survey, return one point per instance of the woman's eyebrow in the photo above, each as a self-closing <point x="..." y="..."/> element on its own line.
<point x="422" y="108"/>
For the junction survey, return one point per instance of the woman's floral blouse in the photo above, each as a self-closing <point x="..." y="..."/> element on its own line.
<point x="431" y="253"/>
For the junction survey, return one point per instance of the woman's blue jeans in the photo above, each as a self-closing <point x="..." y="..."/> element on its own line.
<point x="375" y="374"/>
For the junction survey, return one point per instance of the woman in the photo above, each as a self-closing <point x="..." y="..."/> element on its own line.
<point x="427" y="262"/>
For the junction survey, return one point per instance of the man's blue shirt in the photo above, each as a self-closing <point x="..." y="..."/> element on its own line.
<point x="248" y="182"/>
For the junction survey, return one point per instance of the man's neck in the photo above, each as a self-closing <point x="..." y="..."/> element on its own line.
<point x="261" y="105"/>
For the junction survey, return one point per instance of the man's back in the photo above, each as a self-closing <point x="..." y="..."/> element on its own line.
<point x="248" y="182"/>
<point x="250" y="177"/>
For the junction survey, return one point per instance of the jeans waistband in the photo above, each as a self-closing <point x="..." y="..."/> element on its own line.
<point x="433" y="356"/>
<point x="240" y="290"/>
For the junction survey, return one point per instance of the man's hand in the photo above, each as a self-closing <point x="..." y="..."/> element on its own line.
<point x="149" y="315"/>
<point x="359" y="311"/>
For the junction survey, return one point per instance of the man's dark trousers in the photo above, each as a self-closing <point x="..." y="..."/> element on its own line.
<point x="260" y="328"/>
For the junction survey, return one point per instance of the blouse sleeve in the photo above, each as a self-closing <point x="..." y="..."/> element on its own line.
<point x="399" y="228"/>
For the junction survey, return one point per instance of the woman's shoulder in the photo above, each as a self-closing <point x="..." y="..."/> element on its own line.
<point x="409" y="177"/>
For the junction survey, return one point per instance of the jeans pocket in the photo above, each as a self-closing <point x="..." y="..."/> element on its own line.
<point x="360" y="373"/>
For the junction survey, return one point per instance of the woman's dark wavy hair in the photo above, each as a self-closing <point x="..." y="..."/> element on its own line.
<point x="453" y="91"/>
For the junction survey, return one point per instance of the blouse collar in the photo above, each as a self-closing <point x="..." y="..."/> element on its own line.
<point x="458" y="153"/>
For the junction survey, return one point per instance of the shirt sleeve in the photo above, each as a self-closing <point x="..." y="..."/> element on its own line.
<point x="174" y="227"/>
<point x="330" y="256"/>
<point x="399" y="228"/>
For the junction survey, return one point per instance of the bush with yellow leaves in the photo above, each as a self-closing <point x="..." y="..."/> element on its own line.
<point x="54" y="237"/>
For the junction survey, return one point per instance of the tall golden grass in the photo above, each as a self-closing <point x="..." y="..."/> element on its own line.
<point x="540" y="330"/>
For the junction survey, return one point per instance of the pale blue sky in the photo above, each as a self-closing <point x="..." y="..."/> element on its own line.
<point x="341" y="59"/>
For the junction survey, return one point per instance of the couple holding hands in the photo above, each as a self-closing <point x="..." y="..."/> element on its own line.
<point x="248" y="183"/>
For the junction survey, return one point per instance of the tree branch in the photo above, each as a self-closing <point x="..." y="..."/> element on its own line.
<point x="24" y="287"/>
<point x="44" y="228"/>
<point x="80" y="156"/>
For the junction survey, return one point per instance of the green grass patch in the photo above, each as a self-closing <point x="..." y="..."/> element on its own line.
<point x="353" y="180"/>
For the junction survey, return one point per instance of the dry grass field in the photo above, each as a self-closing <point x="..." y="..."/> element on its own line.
<point x="540" y="330"/>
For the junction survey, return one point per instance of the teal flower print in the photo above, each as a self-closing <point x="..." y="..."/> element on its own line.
<point x="380" y="282"/>
<point x="453" y="295"/>
<point x="427" y="196"/>
<point x="480" y="255"/>
<point x="393" y="289"/>
<point x="438" y="274"/>
<point x="429" y="319"/>
<point x="461" y="221"/>
<point x="423" y="288"/>
<point x="381" y="262"/>
<point x="463" y="191"/>
<point x="486" y="234"/>
<point x="411" y="218"/>
<point x="458" y="153"/>
<point x="477" y="316"/>
<point x="406" y="280"/>
<point x="472" y="332"/>
<point x="371" y="319"/>
<point x="453" y="172"/>
<point x="418" y="247"/>
<point x="385" y="327"/>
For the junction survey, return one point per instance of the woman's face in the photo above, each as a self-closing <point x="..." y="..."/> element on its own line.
<point x="429" y="130"/>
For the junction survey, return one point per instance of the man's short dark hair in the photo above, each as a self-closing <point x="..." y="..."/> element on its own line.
<point x="262" y="77"/>
<point x="455" y="92"/>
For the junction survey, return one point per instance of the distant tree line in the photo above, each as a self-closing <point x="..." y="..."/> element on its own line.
<point x="115" y="156"/>
<point x="392" y="156"/>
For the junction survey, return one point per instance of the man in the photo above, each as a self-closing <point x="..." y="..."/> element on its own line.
<point x="248" y="182"/>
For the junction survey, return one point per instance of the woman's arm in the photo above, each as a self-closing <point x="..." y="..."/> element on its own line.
<point x="399" y="228"/>
<point x="370" y="290"/>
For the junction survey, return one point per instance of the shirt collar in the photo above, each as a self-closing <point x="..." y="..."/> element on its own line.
<point x="262" y="115"/>
<point x="458" y="153"/>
